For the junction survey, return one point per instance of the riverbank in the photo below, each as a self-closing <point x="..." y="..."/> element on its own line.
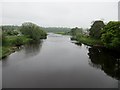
<point x="5" y="51"/>
<point x="62" y="62"/>
<point x="88" y="41"/>
<point x="14" y="37"/>
<point x="85" y="40"/>
<point x="11" y="45"/>
<point x="93" y="43"/>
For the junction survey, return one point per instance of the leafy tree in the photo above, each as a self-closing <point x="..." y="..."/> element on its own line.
<point x="76" y="33"/>
<point x="9" y="28"/>
<point x="11" y="33"/>
<point x="76" y="30"/>
<point x="111" y="34"/>
<point x="33" y="31"/>
<point x="95" y="30"/>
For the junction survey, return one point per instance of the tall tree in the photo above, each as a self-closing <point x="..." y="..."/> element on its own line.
<point x="76" y="30"/>
<point x="111" y="34"/>
<point x="95" y="30"/>
<point x="33" y="31"/>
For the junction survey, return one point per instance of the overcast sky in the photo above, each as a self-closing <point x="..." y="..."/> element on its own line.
<point x="58" y="14"/>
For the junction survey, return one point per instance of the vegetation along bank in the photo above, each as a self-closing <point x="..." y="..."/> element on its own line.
<point x="99" y="34"/>
<point x="15" y="36"/>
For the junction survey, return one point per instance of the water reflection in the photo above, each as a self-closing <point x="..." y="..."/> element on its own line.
<point x="107" y="61"/>
<point x="79" y="44"/>
<point x="0" y="75"/>
<point x="58" y="63"/>
<point x="32" y="49"/>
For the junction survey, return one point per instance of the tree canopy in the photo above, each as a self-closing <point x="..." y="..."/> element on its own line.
<point x="111" y="34"/>
<point x="95" y="30"/>
<point x="76" y="30"/>
<point x="33" y="31"/>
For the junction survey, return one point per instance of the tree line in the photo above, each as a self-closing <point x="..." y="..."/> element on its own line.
<point x="107" y="35"/>
<point x="15" y="36"/>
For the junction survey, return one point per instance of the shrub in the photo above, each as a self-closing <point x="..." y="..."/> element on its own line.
<point x="95" y="30"/>
<point x="33" y="31"/>
<point x="111" y="35"/>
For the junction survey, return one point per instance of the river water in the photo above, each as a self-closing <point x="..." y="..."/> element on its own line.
<point x="58" y="62"/>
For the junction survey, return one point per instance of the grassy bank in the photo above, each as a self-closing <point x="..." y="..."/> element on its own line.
<point x="13" y="37"/>
<point x="11" y="45"/>
<point x="88" y="41"/>
<point x="5" y="51"/>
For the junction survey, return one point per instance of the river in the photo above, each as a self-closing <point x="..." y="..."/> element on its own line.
<point x="57" y="62"/>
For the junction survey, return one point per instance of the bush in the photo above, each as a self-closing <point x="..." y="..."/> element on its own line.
<point x="76" y="30"/>
<point x="95" y="30"/>
<point x="11" y="33"/>
<point x="18" y="41"/>
<point x="3" y="39"/>
<point x="111" y="35"/>
<point x="33" y="31"/>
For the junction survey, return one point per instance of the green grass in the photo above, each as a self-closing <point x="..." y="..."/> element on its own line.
<point x="4" y="51"/>
<point x="10" y="45"/>
<point x="11" y="40"/>
<point x="0" y="52"/>
<point x="89" y="41"/>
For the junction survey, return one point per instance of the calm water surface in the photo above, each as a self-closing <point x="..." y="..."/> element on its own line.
<point x="57" y="62"/>
<point x="0" y="74"/>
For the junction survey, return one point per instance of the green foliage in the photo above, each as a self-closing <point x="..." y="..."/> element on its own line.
<point x="82" y="36"/>
<point x="17" y="40"/>
<point x="10" y="42"/>
<point x="95" y="30"/>
<point x="111" y="35"/>
<point x="11" y="33"/>
<point x="9" y="28"/>
<point x="76" y="30"/>
<point x="10" y="38"/>
<point x="88" y="40"/>
<point x="3" y="39"/>
<point x="76" y="33"/>
<point x="4" y="51"/>
<point x="33" y="31"/>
